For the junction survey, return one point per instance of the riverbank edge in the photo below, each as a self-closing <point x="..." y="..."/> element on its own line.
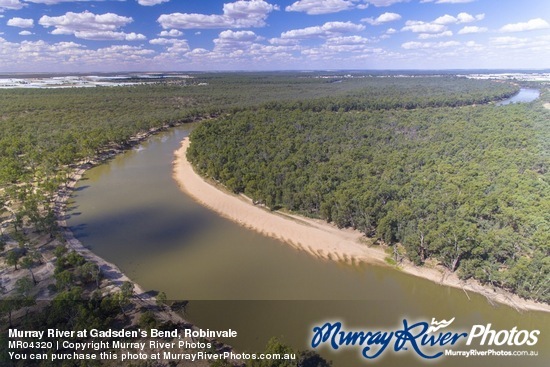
<point x="115" y="275"/>
<point x="319" y="238"/>
<point x="111" y="272"/>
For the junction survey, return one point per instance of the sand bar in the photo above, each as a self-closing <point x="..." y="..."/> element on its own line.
<point x="316" y="237"/>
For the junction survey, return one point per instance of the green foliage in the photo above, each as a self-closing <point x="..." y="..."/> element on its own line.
<point x="12" y="258"/>
<point x="60" y="250"/>
<point x="148" y="321"/>
<point x="161" y="299"/>
<point x="467" y="186"/>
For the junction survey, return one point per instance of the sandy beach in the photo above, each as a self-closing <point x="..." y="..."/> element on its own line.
<point x="317" y="237"/>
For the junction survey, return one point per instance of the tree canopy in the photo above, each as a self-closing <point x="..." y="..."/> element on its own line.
<point x="466" y="186"/>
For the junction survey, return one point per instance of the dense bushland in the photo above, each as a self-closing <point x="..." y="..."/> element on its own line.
<point x="467" y="186"/>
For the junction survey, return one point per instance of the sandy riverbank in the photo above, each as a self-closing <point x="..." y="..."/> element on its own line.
<point x="316" y="237"/>
<point x="109" y="270"/>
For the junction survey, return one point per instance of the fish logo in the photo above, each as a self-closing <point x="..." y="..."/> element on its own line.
<point x="439" y="325"/>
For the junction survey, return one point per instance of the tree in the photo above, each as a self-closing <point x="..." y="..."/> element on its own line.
<point x="93" y="271"/>
<point x="123" y="297"/>
<point x="161" y="299"/>
<point x="23" y="287"/>
<point x="64" y="279"/>
<point x="13" y="258"/>
<point x="127" y="289"/>
<point x="28" y="263"/>
<point x="23" y="292"/>
<point x="59" y="251"/>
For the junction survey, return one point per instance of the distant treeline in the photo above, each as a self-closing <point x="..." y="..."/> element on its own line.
<point x="466" y="186"/>
<point x="43" y="132"/>
<point x="47" y="128"/>
<point x="387" y="155"/>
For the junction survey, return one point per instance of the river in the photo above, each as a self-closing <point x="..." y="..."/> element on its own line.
<point x="131" y="212"/>
<point x="524" y="95"/>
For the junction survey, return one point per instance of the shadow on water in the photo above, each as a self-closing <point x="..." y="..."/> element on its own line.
<point x="134" y="216"/>
<point x="80" y="188"/>
<point x="109" y="272"/>
<point x="144" y="230"/>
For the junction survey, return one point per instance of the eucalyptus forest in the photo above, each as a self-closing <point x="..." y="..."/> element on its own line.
<point x="426" y="164"/>
<point x="423" y="165"/>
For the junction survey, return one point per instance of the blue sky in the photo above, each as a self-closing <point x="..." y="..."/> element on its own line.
<point x="165" y="35"/>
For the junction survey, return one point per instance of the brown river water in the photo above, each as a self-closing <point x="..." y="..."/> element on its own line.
<point x="131" y="212"/>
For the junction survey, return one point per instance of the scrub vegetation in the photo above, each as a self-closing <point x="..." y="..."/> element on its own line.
<point x="411" y="161"/>
<point x="467" y="187"/>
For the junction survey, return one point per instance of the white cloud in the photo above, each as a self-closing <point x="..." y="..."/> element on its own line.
<point x="233" y="49"/>
<point x="191" y="21"/>
<point x="424" y="36"/>
<point x="25" y="33"/>
<point x="240" y="14"/>
<point x="530" y="25"/>
<point x="327" y="29"/>
<point x="62" y="56"/>
<point x="11" y="4"/>
<point x="439" y="25"/>
<point x="472" y="29"/>
<point x="234" y="41"/>
<point x="198" y="52"/>
<point x="313" y="7"/>
<point x="85" y="21"/>
<point x="171" y="33"/>
<point x="87" y="25"/>
<point x="336" y="48"/>
<point x="446" y="19"/>
<point x="506" y="41"/>
<point x="283" y="41"/>
<point x="391" y="31"/>
<point x="379" y="3"/>
<point x="174" y="47"/>
<point x="21" y="23"/>
<point x="535" y="45"/>
<point x="53" y="2"/>
<point x="151" y="2"/>
<point x="460" y="18"/>
<point x="383" y="18"/>
<point x="348" y="40"/>
<point x="109" y="36"/>
<point x="465" y="18"/>
<point x="238" y="36"/>
<point x="417" y="26"/>
<point x="162" y="41"/>
<point x="448" y="1"/>
<point x="429" y="45"/>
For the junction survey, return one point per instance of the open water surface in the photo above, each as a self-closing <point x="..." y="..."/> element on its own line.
<point x="524" y="95"/>
<point x="131" y="212"/>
